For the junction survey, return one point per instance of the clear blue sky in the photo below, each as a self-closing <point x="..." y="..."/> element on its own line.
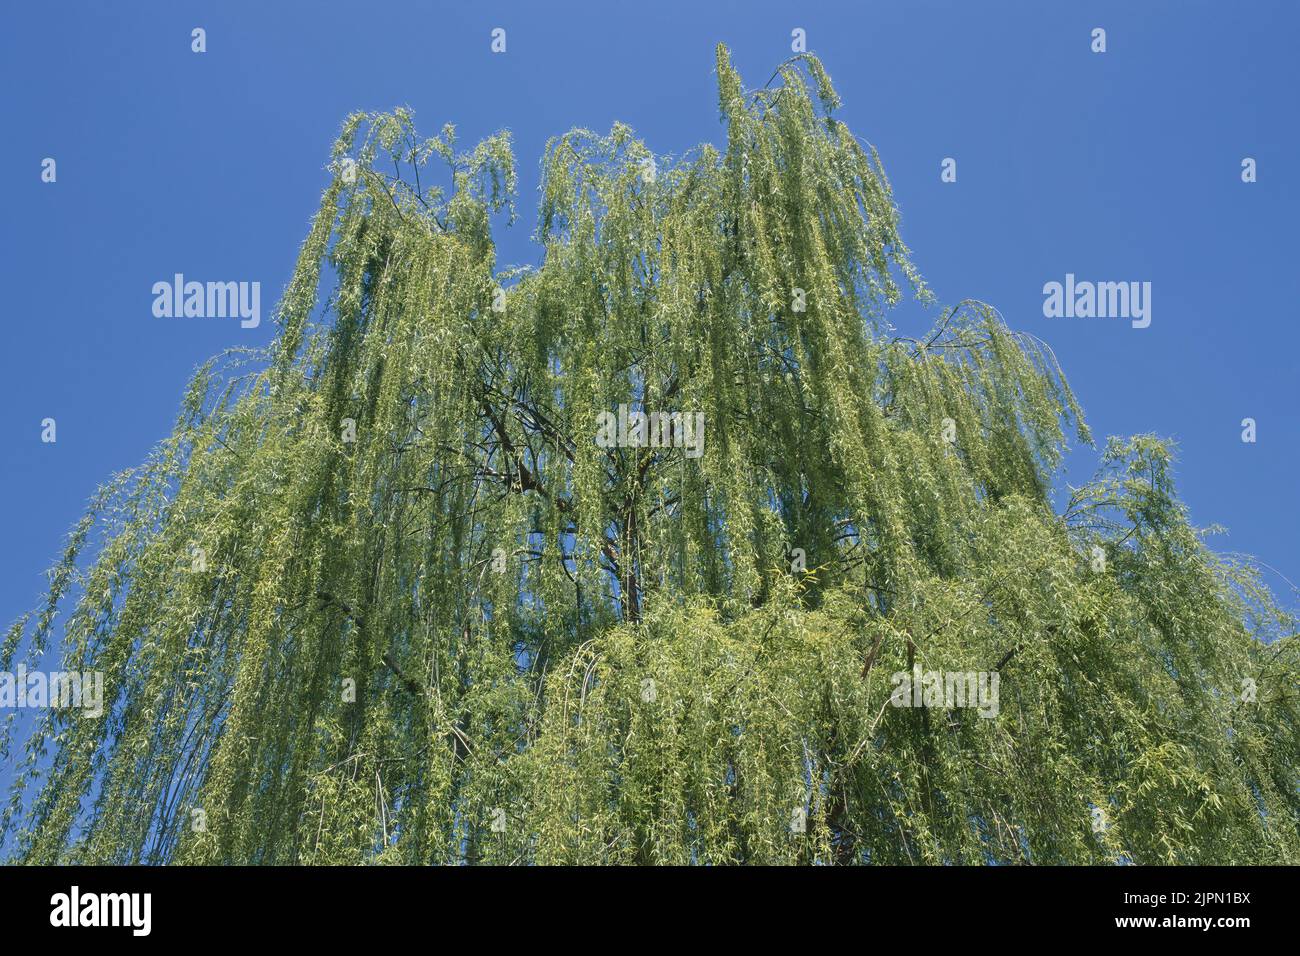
<point x="1119" y="166"/>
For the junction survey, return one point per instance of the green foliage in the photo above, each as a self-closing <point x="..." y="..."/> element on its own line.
<point x="473" y="634"/>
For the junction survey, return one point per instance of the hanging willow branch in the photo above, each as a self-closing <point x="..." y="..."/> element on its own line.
<point x="385" y="597"/>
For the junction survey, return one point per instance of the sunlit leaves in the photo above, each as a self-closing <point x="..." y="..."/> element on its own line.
<point x="431" y="604"/>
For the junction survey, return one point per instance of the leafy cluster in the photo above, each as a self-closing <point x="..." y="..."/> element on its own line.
<point x="381" y="596"/>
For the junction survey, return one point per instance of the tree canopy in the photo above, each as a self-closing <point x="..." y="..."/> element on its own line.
<point x="382" y="596"/>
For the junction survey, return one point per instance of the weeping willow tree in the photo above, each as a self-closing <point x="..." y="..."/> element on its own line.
<point x="386" y="596"/>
